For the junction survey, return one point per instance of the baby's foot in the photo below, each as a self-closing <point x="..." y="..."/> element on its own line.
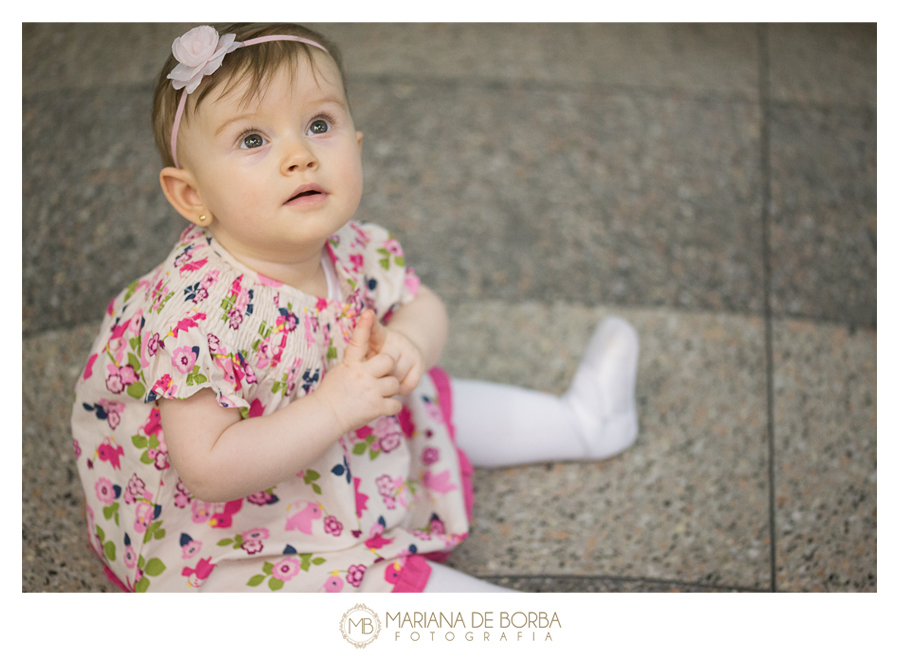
<point x="602" y="393"/>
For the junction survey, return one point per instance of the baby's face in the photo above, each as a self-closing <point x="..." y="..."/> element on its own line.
<point x="281" y="174"/>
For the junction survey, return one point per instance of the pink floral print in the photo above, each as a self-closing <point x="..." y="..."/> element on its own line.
<point x="202" y="320"/>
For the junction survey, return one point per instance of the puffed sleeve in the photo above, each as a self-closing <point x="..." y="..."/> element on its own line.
<point x="390" y="281"/>
<point x="185" y="358"/>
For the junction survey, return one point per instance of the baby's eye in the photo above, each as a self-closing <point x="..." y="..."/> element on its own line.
<point x="318" y="127"/>
<point x="252" y="141"/>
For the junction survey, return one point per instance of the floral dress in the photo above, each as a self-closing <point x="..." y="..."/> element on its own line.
<point x="361" y="518"/>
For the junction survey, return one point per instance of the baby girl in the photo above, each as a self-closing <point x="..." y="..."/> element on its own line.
<point x="263" y="410"/>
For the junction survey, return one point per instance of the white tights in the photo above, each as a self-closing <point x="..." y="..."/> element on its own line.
<point x="500" y="425"/>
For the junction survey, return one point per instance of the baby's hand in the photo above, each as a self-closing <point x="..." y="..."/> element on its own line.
<point x="358" y="389"/>
<point x="410" y="366"/>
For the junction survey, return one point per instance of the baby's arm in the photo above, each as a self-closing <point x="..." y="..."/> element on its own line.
<point x="414" y="337"/>
<point x="221" y="457"/>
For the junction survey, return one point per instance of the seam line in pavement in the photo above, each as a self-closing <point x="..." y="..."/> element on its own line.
<point x="766" y="175"/>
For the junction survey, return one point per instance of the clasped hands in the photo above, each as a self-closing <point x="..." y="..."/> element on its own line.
<point x="379" y="363"/>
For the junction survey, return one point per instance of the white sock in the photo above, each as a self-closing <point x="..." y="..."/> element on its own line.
<point x="444" y="580"/>
<point x="602" y="392"/>
<point x="501" y="425"/>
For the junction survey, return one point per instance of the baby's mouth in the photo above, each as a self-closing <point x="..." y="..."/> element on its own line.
<point x="302" y="194"/>
<point x="305" y="191"/>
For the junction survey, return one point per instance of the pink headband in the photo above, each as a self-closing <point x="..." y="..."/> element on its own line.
<point x="200" y="52"/>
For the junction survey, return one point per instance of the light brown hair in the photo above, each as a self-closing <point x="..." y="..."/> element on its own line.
<point x="257" y="64"/>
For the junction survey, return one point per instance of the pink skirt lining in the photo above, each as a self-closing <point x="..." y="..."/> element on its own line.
<point x="416" y="570"/>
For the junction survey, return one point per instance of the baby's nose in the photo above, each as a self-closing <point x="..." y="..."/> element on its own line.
<point x="299" y="156"/>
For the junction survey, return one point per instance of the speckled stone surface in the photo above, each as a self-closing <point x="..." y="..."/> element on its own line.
<point x="824" y="211"/>
<point x="95" y="218"/>
<point x="825" y="468"/>
<point x="590" y="584"/>
<point x="698" y="58"/>
<point x="75" y="56"/>
<point x="56" y="556"/>
<point x="687" y="502"/>
<point x="823" y="63"/>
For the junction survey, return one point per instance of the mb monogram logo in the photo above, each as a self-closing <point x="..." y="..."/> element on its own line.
<point x="360" y="626"/>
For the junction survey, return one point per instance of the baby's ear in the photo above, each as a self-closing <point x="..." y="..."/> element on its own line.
<point x="181" y="190"/>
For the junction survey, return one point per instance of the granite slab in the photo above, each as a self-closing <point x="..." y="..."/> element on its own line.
<point x="702" y="59"/>
<point x="824" y="63"/>
<point x="826" y="475"/>
<point x="824" y="213"/>
<point x="696" y="58"/>
<point x="73" y="56"/>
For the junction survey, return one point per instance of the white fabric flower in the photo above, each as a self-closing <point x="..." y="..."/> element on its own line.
<point x="200" y="52"/>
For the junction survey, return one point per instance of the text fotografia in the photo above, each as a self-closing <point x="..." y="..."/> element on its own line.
<point x="480" y="626"/>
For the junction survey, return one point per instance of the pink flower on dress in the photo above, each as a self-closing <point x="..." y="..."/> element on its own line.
<point x="182" y="495"/>
<point x="190" y="549"/>
<point x="143" y="517"/>
<point x="114" y="383"/>
<point x="201" y="512"/>
<point x="252" y="546"/>
<point x="184" y="358"/>
<point x="235" y="318"/>
<point x="393" y="246"/>
<point x="430" y="455"/>
<point x="105" y="492"/>
<point x="333" y="584"/>
<point x="113" y="418"/>
<point x="437" y="526"/>
<point x="153" y="344"/>
<point x="77" y="448"/>
<point x="385" y="485"/>
<point x="333" y="526"/>
<point x="135" y="489"/>
<point x="257" y="534"/>
<point x="387" y="429"/>
<point x="260" y="498"/>
<point x="249" y="375"/>
<point x="210" y="279"/>
<point x="213" y="341"/>
<point x="120" y="378"/>
<point x="286" y="569"/>
<point x="355" y="574"/>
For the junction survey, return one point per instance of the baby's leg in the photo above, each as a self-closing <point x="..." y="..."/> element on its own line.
<point x="500" y="425"/>
<point x="444" y="580"/>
